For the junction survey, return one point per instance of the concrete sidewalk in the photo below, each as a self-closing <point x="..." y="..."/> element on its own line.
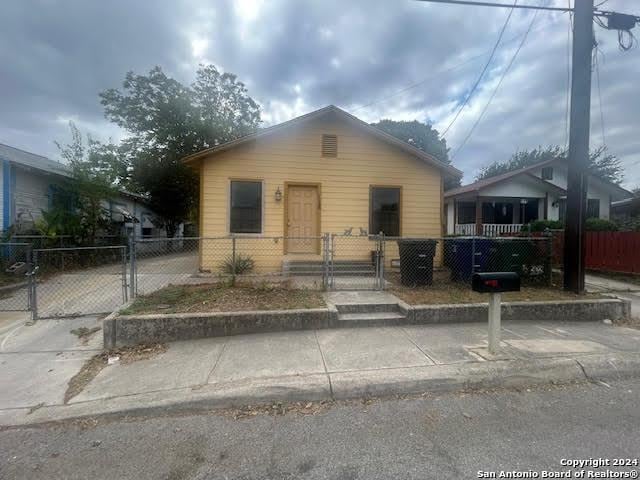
<point x="306" y="365"/>
<point x="624" y="290"/>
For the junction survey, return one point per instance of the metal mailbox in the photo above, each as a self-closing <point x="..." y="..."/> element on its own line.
<point x="495" y="282"/>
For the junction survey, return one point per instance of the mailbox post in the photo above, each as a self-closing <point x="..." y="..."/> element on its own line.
<point x="494" y="283"/>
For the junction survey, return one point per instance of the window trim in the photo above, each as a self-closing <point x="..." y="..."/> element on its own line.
<point x="587" y="207"/>
<point x="371" y="189"/>
<point x="262" y="205"/>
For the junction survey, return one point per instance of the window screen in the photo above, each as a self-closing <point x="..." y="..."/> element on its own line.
<point x="246" y="207"/>
<point x="466" y="212"/>
<point x="385" y="211"/>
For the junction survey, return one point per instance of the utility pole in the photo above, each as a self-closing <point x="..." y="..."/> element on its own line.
<point x="578" y="159"/>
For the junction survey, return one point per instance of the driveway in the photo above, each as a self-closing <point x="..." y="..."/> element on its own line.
<point x="100" y="289"/>
<point x="37" y="361"/>
<point x="626" y="290"/>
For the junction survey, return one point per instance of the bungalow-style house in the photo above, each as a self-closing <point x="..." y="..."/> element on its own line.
<point x="27" y="186"/>
<point x="504" y="203"/>
<point x="324" y="172"/>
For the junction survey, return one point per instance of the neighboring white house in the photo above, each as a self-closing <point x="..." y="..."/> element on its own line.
<point x="27" y="185"/>
<point x="504" y="203"/>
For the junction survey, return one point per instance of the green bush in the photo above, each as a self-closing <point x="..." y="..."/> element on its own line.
<point x="242" y="264"/>
<point x="601" y="225"/>
<point x="542" y="225"/>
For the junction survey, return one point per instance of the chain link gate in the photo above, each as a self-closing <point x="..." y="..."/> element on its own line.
<point x="353" y="262"/>
<point x="17" y="285"/>
<point x="76" y="281"/>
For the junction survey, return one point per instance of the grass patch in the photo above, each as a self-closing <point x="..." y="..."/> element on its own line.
<point x="224" y="298"/>
<point x="84" y="333"/>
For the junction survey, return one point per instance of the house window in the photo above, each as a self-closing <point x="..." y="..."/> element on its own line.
<point x="562" y="209"/>
<point x="246" y="207"/>
<point x="593" y="208"/>
<point x="466" y="212"/>
<point x="547" y="173"/>
<point x="384" y="213"/>
<point x="329" y="145"/>
<point x="147" y="231"/>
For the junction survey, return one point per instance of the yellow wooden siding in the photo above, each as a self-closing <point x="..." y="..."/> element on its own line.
<point x="295" y="157"/>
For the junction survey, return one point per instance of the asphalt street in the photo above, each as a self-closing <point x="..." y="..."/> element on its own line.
<point x="451" y="436"/>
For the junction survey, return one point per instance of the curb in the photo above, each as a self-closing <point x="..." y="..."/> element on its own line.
<point x="122" y="330"/>
<point x="345" y="385"/>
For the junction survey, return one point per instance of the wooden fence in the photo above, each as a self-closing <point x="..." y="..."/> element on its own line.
<point x="614" y="251"/>
<point x="606" y="251"/>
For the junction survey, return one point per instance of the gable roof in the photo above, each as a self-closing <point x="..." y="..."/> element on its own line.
<point x="486" y="182"/>
<point x="408" y="148"/>
<point x="31" y="160"/>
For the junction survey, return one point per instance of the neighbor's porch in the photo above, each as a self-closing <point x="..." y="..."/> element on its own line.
<point x="493" y="216"/>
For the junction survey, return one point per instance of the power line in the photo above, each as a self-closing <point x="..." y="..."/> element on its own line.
<point x="486" y="66"/>
<point x="597" y="65"/>
<point x="493" y="4"/>
<point x="420" y="82"/>
<point x="493" y="94"/>
<point x="435" y="75"/>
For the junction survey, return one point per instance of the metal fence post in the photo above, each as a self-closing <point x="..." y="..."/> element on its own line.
<point x="233" y="260"/>
<point x="132" y="267"/>
<point x="381" y="261"/>
<point x="325" y="261"/>
<point x="549" y="261"/>
<point x="34" y="288"/>
<point x="124" y="275"/>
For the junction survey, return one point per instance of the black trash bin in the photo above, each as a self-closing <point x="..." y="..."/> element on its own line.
<point x="416" y="261"/>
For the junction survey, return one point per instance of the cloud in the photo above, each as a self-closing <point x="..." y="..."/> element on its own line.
<point x="379" y="59"/>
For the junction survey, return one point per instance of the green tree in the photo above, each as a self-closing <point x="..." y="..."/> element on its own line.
<point x="422" y="136"/>
<point x="165" y="121"/>
<point x="78" y="203"/>
<point x="601" y="163"/>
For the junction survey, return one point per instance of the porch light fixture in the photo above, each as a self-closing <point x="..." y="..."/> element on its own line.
<point x="524" y="201"/>
<point x="278" y="194"/>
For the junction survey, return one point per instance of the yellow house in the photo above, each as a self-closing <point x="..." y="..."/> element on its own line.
<point x="278" y="190"/>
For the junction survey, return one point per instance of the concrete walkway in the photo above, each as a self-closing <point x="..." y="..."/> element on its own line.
<point x="37" y="362"/>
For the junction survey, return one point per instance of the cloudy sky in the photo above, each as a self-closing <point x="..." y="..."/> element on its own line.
<point x="398" y="59"/>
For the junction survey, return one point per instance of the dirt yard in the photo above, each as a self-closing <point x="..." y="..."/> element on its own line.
<point x="223" y="298"/>
<point x="445" y="291"/>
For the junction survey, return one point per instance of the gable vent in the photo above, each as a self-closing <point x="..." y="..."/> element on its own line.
<point x="329" y="145"/>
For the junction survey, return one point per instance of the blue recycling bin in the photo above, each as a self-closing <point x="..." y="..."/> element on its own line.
<point x="469" y="255"/>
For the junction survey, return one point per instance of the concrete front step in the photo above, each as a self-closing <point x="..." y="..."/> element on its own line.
<point x="370" y="316"/>
<point x="367" y="308"/>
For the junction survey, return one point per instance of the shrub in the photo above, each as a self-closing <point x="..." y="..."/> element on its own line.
<point x="242" y="264"/>
<point x="601" y="225"/>
<point x="542" y="225"/>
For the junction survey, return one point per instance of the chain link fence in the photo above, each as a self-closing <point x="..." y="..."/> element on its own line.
<point x="15" y="277"/>
<point x="424" y="262"/>
<point x="79" y="280"/>
<point x="70" y="281"/>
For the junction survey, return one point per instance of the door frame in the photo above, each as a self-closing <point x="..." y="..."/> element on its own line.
<point x="318" y="187"/>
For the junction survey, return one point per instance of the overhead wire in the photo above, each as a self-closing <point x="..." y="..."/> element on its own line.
<point x="495" y="90"/>
<point x="431" y="77"/>
<point x="486" y="66"/>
